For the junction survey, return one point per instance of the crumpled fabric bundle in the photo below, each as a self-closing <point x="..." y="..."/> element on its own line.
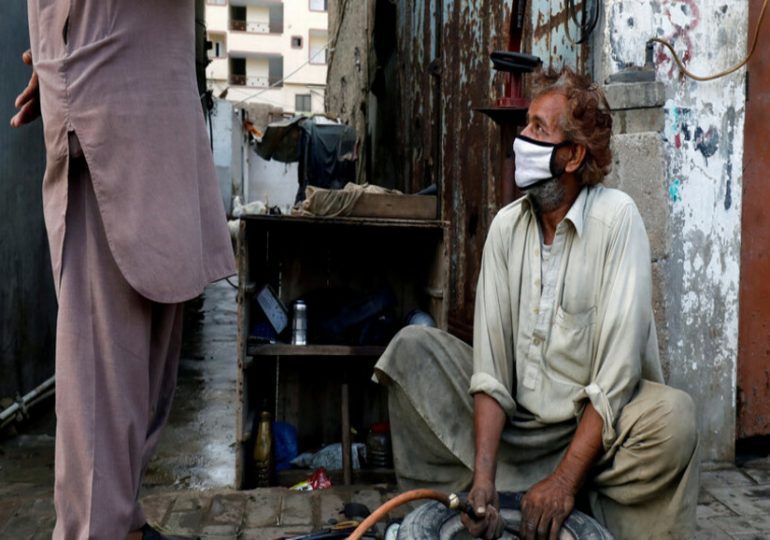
<point x="330" y="457"/>
<point x="335" y="202"/>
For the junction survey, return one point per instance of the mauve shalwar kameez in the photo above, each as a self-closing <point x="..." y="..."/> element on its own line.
<point x="135" y="225"/>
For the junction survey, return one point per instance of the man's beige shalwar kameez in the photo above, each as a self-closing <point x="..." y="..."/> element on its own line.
<point x="135" y="225"/>
<point x="553" y="331"/>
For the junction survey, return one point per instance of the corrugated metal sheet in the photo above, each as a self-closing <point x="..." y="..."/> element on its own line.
<point x="553" y="34"/>
<point x="444" y="74"/>
<point x="27" y="300"/>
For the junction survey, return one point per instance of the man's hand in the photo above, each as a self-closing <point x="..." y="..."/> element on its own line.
<point x="486" y="505"/>
<point x="545" y="507"/>
<point x="28" y="102"/>
<point x="548" y="503"/>
<point x="488" y="421"/>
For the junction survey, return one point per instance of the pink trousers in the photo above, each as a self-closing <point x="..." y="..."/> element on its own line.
<point x="117" y="355"/>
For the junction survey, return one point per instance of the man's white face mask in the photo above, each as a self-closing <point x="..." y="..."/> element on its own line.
<point x="535" y="161"/>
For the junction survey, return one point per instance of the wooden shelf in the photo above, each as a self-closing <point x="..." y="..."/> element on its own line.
<point x="285" y="349"/>
<point x="289" y="477"/>
<point x="347" y="221"/>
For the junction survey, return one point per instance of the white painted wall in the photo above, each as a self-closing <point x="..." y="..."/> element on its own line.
<point x="272" y="182"/>
<point x="225" y="121"/>
<point x="703" y="145"/>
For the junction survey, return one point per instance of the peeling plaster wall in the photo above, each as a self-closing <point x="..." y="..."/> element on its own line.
<point x="703" y="149"/>
<point x="692" y="205"/>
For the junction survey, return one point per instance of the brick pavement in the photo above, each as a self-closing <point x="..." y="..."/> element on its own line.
<point x="734" y="504"/>
<point x="183" y="492"/>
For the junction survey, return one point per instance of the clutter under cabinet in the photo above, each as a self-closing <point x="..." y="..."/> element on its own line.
<point x="319" y="299"/>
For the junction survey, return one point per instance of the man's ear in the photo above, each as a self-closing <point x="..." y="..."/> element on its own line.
<point x="577" y="156"/>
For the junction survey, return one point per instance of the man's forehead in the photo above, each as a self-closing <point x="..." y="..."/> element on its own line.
<point x="547" y="108"/>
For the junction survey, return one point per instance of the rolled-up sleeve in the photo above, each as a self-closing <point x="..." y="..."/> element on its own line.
<point x="624" y="323"/>
<point x="493" y="361"/>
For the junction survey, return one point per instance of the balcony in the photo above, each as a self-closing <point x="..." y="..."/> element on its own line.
<point x="251" y="27"/>
<point x="250" y="81"/>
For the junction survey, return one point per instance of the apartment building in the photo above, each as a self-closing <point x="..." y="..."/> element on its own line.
<point x="269" y="51"/>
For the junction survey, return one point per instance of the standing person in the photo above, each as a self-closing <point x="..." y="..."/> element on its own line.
<point x="135" y="226"/>
<point x="562" y="392"/>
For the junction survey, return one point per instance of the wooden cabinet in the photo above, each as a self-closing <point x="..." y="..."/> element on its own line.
<point x="307" y="385"/>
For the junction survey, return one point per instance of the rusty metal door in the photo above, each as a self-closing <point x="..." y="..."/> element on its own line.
<point x="444" y="75"/>
<point x="754" y="329"/>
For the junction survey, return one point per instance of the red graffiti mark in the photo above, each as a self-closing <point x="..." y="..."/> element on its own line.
<point x="678" y="141"/>
<point x="681" y="34"/>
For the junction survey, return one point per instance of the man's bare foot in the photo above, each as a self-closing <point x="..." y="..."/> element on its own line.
<point x="135" y="535"/>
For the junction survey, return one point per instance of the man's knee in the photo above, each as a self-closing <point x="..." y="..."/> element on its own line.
<point x="414" y="343"/>
<point x="673" y="417"/>
<point x="410" y="337"/>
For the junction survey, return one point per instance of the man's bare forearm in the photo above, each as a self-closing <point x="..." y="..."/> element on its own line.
<point x="583" y="451"/>
<point x="488" y="421"/>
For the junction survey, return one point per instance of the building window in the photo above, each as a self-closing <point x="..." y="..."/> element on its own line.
<point x="318" y="5"/>
<point x="217" y="47"/>
<point x="296" y="42"/>
<point x="302" y="103"/>
<point x="319" y="51"/>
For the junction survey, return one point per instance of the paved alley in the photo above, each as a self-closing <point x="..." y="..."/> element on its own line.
<point x="188" y="487"/>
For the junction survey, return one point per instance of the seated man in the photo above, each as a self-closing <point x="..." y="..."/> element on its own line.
<point x="566" y="384"/>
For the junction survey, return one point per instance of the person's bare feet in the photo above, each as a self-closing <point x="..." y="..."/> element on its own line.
<point x="135" y="535"/>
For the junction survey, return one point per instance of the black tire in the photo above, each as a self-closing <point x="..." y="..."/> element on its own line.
<point x="433" y="520"/>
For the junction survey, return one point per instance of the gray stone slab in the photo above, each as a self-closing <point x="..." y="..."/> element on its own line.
<point x="191" y="501"/>
<point x="760" y="476"/>
<point x="638" y="169"/>
<point x="371" y="498"/>
<point x="8" y="509"/>
<point x="757" y="463"/>
<point x="638" y="121"/>
<point x="709" y="531"/>
<point x="271" y="533"/>
<point x="222" y="531"/>
<point x="744" y="501"/>
<point x="332" y="505"/>
<point x="743" y="525"/>
<point x="33" y="519"/>
<point x="226" y="510"/>
<point x="713" y="509"/>
<point x="297" y="509"/>
<point x="263" y="508"/>
<point x="157" y="507"/>
<point x="622" y="96"/>
<point x="183" y="523"/>
<point x="724" y="478"/>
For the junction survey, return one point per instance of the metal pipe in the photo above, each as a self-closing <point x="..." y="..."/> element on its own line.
<point x="21" y="405"/>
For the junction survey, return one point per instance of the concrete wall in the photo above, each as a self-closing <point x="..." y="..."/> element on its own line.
<point x="348" y="94"/>
<point x="678" y="152"/>
<point x="272" y="182"/>
<point x="226" y="135"/>
<point x="693" y="208"/>
<point x="27" y="301"/>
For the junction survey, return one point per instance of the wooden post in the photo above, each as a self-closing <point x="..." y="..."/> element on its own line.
<point x="346" y="446"/>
